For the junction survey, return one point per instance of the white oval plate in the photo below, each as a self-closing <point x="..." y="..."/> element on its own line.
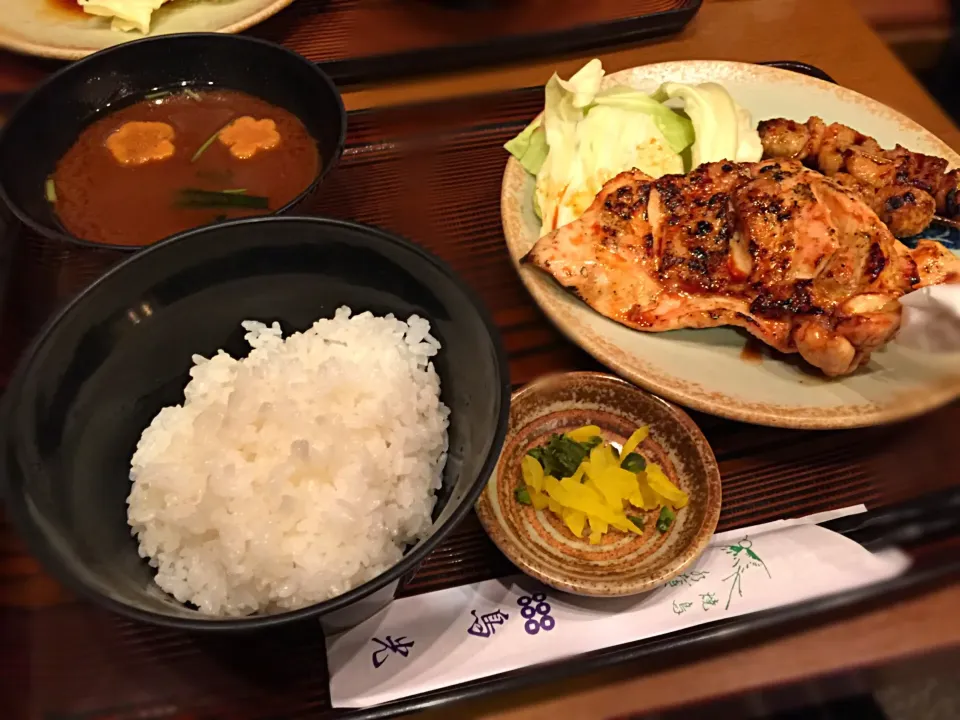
<point x="704" y="369"/>
<point x="44" y="28"/>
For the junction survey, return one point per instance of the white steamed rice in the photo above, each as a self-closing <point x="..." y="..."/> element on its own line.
<point x="296" y="473"/>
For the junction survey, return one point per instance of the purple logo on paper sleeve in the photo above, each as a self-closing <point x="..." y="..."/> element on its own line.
<point x="484" y="626"/>
<point x="399" y="646"/>
<point x="535" y="610"/>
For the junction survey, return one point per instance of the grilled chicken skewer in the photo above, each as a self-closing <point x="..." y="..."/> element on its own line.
<point x="772" y="247"/>
<point x="905" y="189"/>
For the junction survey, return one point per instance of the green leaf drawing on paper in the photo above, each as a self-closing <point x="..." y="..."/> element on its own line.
<point x="744" y="558"/>
<point x="688" y="578"/>
<point x="708" y="600"/>
<point x="681" y="608"/>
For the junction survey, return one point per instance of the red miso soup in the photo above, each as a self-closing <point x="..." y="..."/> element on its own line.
<point x="178" y="160"/>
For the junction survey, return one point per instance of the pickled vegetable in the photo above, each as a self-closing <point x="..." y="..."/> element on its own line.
<point x="639" y="435"/>
<point x="582" y="480"/>
<point x="586" y="434"/>
<point x="532" y="473"/>
<point x="634" y="462"/>
<point x="523" y="496"/>
<point x="562" y="455"/>
<point x="667" y="516"/>
<point x="661" y="485"/>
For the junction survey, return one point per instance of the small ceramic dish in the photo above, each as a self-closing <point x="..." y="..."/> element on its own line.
<point x="538" y="542"/>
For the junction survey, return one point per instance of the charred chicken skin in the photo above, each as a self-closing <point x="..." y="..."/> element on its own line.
<point x="904" y="188"/>
<point x="772" y="247"/>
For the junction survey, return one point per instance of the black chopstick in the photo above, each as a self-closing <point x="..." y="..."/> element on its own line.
<point x="934" y="516"/>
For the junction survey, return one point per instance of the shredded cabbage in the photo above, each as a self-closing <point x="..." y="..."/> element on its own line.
<point x="587" y="136"/>
<point x="723" y="129"/>
<point x="530" y="147"/>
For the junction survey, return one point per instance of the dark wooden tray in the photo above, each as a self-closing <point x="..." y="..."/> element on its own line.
<point x="366" y="40"/>
<point x="433" y="173"/>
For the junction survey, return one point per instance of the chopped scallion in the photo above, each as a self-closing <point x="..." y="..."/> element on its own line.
<point x="192" y="197"/>
<point x="209" y="141"/>
<point x="634" y="462"/>
<point x="667" y="516"/>
<point x="192" y="94"/>
<point x="50" y="190"/>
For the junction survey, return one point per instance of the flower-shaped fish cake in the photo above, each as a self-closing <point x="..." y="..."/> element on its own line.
<point x="246" y="136"/>
<point x="136" y="143"/>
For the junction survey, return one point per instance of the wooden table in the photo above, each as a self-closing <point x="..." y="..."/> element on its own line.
<point x="831" y="35"/>
<point x="825" y="33"/>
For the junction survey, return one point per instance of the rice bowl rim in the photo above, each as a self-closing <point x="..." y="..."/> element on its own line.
<point x="52" y="561"/>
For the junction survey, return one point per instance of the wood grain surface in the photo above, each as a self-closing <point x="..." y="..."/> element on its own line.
<point x="341" y="30"/>
<point x="63" y="658"/>
<point x="378" y="39"/>
<point x="827" y="34"/>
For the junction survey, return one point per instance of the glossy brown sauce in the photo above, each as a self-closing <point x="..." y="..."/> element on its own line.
<point x="99" y="199"/>
<point x="753" y="351"/>
<point x="71" y="7"/>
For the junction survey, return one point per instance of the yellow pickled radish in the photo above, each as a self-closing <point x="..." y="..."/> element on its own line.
<point x="599" y="492"/>
<point x="553" y="488"/>
<point x="661" y="500"/>
<point x="601" y="457"/>
<point x="532" y="472"/>
<point x="616" y="485"/>
<point x="639" y="435"/>
<point x="578" y="475"/>
<point x="623" y="523"/>
<point x="592" y="486"/>
<point x="612" y="459"/>
<point x="575" y="520"/>
<point x="596" y="461"/>
<point x="597" y="525"/>
<point x="578" y="497"/>
<point x="539" y="500"/>
<point x="645" y="497"/>
<point x="609" y="490"/>
<point x="661" y="485"/>
<point x="600" y="510"/>
<point x="562" y="496"/>
<point x="584" y="433"/>
<point x="624" y="481"/>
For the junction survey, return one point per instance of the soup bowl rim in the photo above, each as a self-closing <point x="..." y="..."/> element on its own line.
<point x="23" y="107"/>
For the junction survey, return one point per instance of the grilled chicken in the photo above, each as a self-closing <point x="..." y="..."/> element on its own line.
<point x="772" y="247"/>
<point x="904" y="188"/>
